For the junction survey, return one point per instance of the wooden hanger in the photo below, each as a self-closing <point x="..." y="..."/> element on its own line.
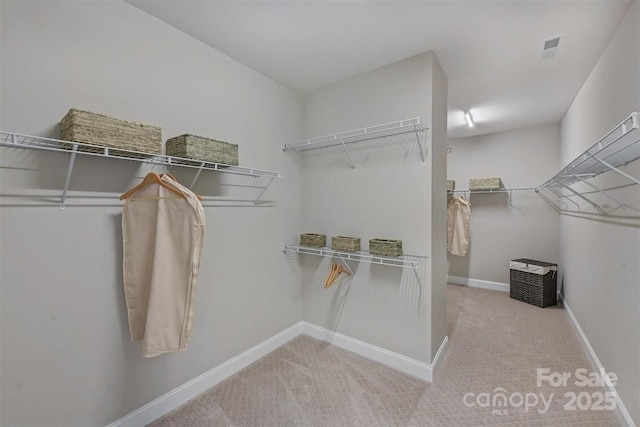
<point x="152" y="178"/>
<point x="332" y="271"/>
<point x="169" y="175"/>
<point x="174" y="178"/>
<point x="336" y="270"/>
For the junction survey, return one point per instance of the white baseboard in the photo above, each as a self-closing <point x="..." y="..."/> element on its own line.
<point x="440" y="353"/>
<point x="178" y="396"/>
<point x="405" y="364"/>
<point x="475" y="283"/>
<point x="594" y="357"/>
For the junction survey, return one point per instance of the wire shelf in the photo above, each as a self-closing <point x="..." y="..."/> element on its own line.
<point x="617" y="148"/>
<point x="39" y="143"/>
<point x="404" y="261"/>
<point x="499" y="190"/>
<point x="386" y="130"/>
<point x="15" y="140"/>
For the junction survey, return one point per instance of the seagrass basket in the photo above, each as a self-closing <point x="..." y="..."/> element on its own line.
<point x="204" y="149"/>
<point x="106" y="131"/>
<point x="451" y="185"/>
<point x="345" y="243"/>
<point x="485" y="184"/>
<point x="313" y="240"/>
<point x="385" y="247"/>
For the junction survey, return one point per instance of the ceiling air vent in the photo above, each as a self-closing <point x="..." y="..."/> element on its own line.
<point x="549" y="47"/>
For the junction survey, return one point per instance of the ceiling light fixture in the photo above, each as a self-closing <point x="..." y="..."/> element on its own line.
<point x="469" y="119"/>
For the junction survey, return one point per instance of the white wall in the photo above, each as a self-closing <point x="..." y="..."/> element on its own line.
<point x="600" y="256"/>
<point x="66" y="358"/>
<point x="438" y="198"/>
<point x="387" y="196"/>
<point x="500" y="231"/>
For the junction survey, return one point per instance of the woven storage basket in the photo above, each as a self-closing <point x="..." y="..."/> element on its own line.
<point x="537" y="285"/>
<point x="384" y="247"/>
<point x="203" y="149"/>
<point x="485" y="184"/>
<point x="344" y="243"/>
<point x="313" y="240"/>
<point x="106" y="131"/>
<point x="451" y="185"/>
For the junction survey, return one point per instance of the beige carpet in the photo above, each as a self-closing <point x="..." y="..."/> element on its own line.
<point x="494" y="342"/>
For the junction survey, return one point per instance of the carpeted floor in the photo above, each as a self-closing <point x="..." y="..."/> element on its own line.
<point x="495" y="346"/>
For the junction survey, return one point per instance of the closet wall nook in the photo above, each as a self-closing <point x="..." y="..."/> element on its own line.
<point x="375" y="182"/>
<point x="413" y="128"/>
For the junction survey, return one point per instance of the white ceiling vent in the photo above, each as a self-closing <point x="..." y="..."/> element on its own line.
<point x="549" y="47"/>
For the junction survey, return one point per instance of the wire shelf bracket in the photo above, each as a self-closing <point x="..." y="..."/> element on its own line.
<point x="344" y="139"/>
<point x="15" y="140"/>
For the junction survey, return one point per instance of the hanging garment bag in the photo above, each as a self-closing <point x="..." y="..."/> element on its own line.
<point x="162" y="228"/>
<point x="458" y="218"/>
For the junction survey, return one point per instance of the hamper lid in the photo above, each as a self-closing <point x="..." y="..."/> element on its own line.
<point x="532" y="266"/>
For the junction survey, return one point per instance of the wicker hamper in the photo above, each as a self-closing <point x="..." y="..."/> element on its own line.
<point x="105" y="131"/>
<point x="533" y="282"/>
<point x="485" y="184"/>
<point x="203" y="149"/>
<point x="313" y="240"/>
<point x="344" y="243"/>
<point x="451" y="185"/>
<point x="384" y="247"/>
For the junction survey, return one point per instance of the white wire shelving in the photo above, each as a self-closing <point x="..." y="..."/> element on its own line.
<point x="509" y="191"/>
<point x="19" y="141"/>
<point x="410" y="262"/>
<point x="616" y="149"/>
<point x="344" y="139"/>
<point x="403" y="261"/>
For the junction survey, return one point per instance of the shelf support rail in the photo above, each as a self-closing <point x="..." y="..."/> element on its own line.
<point x="415" y="271"/>
<point x="424" y="160"/>
<point x="67" y="179"/>
<point x="344" y="262"/>
<point x="561" y="196"/>
<point x="257" y="200"/>
<point x="626" y="175"/>
<point x="604" y="193"/>
<point x="195" y="178"/>
<point x="353" y="166"/>
<point x="549" y="202"/>
<point x="595" y="205"/>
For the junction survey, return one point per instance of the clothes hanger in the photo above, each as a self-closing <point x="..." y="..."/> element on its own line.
<point x="341" y="269"/>
<point x="169" y="175"/>
<point x="336" y="270"/>
<point x="174" y="179"/>
<point x="331" y="277"/>
<point x="152" y="178"/>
